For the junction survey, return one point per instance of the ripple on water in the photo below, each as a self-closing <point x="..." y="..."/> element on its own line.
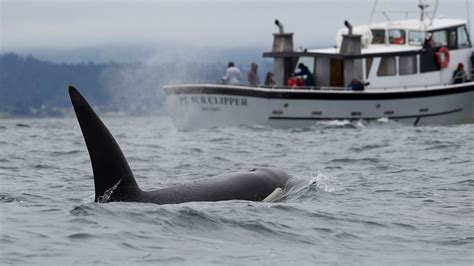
<point x="129" y="246"/>
<point x="65" y="153"/>
<point x="82" y="210"/>
<point x="367" y="148"/>
<point x="405" y="226"/>
<point x="219" y="158"/>
<point x="22" y="125"/>
<point x="461" y="241"/>
<point x="81" y="236"/>
<point x="196" y="150"/>
<point x="442" y="147"/>
<point x="353" y="161"/>
<point x="323" y="230"/>
<point x="7" y="239"/>
<point x="467" y="182"/>
<point x="220" y="140"/>
<point x="345" y="235"/>
<point x="44" y="166"/>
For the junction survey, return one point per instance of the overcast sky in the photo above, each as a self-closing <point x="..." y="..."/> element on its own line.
<point x="50" y="24"/>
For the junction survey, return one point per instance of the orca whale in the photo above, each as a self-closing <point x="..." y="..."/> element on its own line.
<point x="114" y="180"/>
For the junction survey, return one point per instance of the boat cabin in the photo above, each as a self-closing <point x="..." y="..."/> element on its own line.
<point x="390" y="55"/>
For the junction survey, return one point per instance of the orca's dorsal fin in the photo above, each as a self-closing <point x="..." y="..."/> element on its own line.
<point x="113" y="179"/>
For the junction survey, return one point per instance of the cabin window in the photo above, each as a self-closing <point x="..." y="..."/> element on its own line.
<point x="416" y="37"/>
<point x="388" y="66"/>
<point x="440" y="38"/>
<point x="407" y="65"/>
<point x="379" y="36"/>
<point x="396" y="37"/>
<point x="453" y="40"/>
<point x="463" y="38"/>
<point x="368" y="66"/>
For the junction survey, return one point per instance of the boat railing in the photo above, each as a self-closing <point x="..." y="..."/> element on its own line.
<point x="307" y="88"/>
<point x="382" y="88"/>
<point x="331" y="88"/>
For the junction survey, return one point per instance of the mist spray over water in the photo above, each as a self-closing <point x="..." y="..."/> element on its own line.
<point x="137" y="88"/>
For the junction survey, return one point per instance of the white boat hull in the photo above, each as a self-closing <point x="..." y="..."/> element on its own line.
<point x="206" y="106"/>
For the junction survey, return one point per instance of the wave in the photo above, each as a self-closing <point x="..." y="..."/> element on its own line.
<point x="44" y="166"/>
<point x="469" y="240"/>
<point x="468" y="182"/>
<point x="367" y="147"/>
<point x="353" y="161"/>
<point x="8" y="199"/>
<point x="65" y="153"/>
<point x="22" y="125"/>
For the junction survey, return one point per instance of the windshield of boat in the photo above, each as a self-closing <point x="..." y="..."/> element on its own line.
<point x="398" y="36"/>
<point x="379" y="36"/>
<point x="416" y="37"/>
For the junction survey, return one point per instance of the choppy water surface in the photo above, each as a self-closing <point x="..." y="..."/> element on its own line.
<point x="372" y="194"/>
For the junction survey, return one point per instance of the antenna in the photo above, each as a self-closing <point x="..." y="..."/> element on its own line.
<point x="434" y="12"/>
<point x="468" y="10"/>
<point x="374" y="10"/>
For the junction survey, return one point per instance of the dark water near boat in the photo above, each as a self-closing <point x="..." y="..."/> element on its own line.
<point x="367" y="194"/>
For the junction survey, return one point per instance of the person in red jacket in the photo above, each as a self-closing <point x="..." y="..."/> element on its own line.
<point x="292" y="81"/>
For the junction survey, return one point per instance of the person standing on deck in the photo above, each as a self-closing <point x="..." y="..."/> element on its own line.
<point x="269" y="80"/>
<point x="252" y="76"/>
<point x="233" y="75"/>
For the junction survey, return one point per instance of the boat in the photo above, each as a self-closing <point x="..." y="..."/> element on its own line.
<point x="400" y="70"/>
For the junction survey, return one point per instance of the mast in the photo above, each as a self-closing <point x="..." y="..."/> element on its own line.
<point x="383" y="11"/>
<point x="424" y="11"/>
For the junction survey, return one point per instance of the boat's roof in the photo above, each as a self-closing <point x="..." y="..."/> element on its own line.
<point x="415" y="24"/>
<point x="377" y="49"/>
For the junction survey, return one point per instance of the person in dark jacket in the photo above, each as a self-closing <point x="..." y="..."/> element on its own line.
<point x="357" y="85"/>
<point x="304" y="71"/>
<point x="459" y="75"/>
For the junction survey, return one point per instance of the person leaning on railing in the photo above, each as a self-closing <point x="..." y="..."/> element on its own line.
<point x="269" y="80"/>
<point x="357" y="85"/>
<point x="459" y="75"/>
<point x="232" y="75"/>
<point x="304" y="71"/>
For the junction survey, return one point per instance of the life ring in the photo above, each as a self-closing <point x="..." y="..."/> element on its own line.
<point x="443" y="57"/>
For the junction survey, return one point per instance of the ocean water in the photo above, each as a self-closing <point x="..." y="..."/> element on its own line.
<point x="364" y="194"/>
